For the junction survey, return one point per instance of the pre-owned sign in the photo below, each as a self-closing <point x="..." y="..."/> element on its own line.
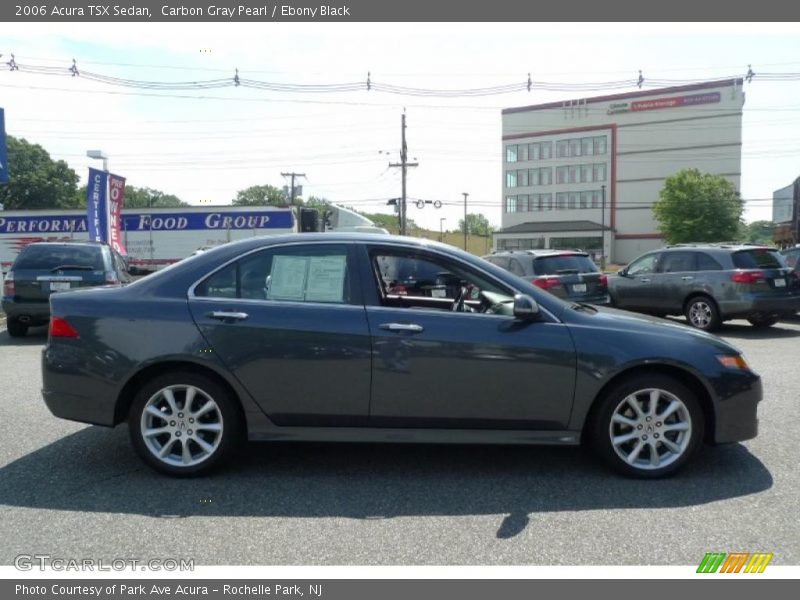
<point x="659" y="103"/>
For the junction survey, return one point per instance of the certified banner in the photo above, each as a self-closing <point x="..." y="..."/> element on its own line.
<point x="97" y="205"/>
<point x="3" y="154"/>
<point x="116" y="199"/>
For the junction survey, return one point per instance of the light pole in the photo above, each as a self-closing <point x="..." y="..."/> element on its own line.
<point x="603" y="229"/>
<point x="441" y="229"/>
<point x="99" y="155"/>
<point x="466" y="195"/>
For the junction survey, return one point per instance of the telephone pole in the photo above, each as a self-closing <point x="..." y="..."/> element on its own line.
<point x="292" y="175"/>
<point x="466" y="195"/>
<point x="404" y="165"/>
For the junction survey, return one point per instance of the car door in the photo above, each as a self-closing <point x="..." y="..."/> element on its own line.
<point x="633" y="290"/>
<point x="675" y="280"/>
<point x="438" y="368"/>
<point x="289" y="324"/>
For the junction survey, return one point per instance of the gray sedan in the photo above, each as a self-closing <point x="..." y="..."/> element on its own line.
<point x="319" y="337"/>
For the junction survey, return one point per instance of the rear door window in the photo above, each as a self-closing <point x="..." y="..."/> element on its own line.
<point x="677" y="262"/>
<point x="564" y="264"/>
<point x="58" y="257"/>
<point x="707" y="263"/>
<point x="757" y="258"/>
<point x="515" y="267"/>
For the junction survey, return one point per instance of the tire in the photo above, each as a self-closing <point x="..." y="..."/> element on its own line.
<point x="702" y="313"/>
<point x="193" y="442"/>
<point x="16" y="329"/>
<point x="616" y="418"/>
<point x="763" y="322"/>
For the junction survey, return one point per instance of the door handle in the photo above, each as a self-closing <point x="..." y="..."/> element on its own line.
<point x="410" y="327"/>
<point x="225" y="315"/>
<point x="645" y="280"/>
<point x="687" y="278"/>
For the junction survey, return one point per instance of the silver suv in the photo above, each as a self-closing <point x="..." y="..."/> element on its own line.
<point x="709" y="283"/>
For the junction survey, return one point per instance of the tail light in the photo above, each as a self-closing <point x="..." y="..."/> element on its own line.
<point x="546" y="283"/>
<point x="8" y="285"/>
<point x="59" y="328"/>
<point x="603" y="280"/>
<point x="747" y="276"/>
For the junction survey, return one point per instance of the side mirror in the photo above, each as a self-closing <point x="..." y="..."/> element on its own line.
<point x="623" y="272"/>
<point x="525" y="307"/>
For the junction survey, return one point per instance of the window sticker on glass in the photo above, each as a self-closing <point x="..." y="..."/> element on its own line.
<point x="326" y="279"/>
<point x="288" y="278"/>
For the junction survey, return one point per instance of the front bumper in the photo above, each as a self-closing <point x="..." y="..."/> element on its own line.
<point x="736" y="417"/>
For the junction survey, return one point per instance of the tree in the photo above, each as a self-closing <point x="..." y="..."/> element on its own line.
<point x="477" y="225"/>
<point x="140" y="198"/>
<point x="35" y="180"/>
<point x="757" y="232"/>
<point x="698" y="207"/>
<point x="261" y="195"/>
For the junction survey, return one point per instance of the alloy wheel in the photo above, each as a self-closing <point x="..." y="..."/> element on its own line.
<point x="181" y="425"/>
<point x="650" y="429"/>
<point x="700" y="314"/>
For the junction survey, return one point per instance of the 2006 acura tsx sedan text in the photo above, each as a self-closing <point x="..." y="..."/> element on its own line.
<point x="364" y="337"/>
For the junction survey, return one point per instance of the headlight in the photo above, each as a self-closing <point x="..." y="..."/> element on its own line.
<point x="733" y="361"/>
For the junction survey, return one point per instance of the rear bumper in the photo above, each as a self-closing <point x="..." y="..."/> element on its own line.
<point x="786" y="305"/>
<point x="736" y="417"/>
<point x="36" y="312"/>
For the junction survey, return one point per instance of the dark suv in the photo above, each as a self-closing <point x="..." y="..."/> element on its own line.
<point x="43" y="268"/>
<point x="568" y="274"/>
<point x="709" y="283"/>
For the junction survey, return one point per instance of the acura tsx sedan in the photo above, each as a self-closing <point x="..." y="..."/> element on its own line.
<point x="360" y="337"/>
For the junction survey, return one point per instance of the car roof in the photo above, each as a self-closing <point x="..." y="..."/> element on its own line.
<point x="539" y="253"/>
<point x="723" y="246"/>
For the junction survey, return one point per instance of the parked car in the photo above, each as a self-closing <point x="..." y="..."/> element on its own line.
<point x="44" y="268"/>
<point x="791" y="257"/>
<point x="304" y="337"/>
<point x="709" y="284"/>
<point x="568" y="274"/>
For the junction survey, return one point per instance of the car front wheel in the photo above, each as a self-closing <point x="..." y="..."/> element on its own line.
<point x="184" y="424"/>
<point x="647" y="426"/>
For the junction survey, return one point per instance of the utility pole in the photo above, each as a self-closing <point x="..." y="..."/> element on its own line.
<point x="466" y="195"/>
<point x="403" y="164"/>
<point x="441" y="228"/>
<point x="292" y="175"/>
<point x="603" y="229"/>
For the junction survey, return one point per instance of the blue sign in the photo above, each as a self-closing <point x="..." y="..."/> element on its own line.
<point x="97" y="205"/>
<point x="3" y="152"/>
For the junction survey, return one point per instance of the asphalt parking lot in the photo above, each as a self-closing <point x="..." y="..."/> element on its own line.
<point x="76" y="491"/>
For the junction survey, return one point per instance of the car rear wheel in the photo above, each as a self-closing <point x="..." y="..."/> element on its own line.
<point x="184" y="424"/>
<point x="16" y="329"/>
<point x="702" y="313"/>
<point x="762" y="321"/>
<point x="647" y="426"/>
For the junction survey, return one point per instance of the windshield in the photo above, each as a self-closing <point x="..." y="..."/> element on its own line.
<point x="758" y="258"/>
<point x="46" y="258"/>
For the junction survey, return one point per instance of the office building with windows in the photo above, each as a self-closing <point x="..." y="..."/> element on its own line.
<point x="585" y="173"/>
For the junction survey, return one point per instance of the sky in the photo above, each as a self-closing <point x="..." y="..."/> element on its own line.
<point x="205" y="145"/>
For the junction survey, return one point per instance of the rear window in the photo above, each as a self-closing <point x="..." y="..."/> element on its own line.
<point x="564" y="264"/>
<point x="46" y="258"/>
<point x="757" y="258"/>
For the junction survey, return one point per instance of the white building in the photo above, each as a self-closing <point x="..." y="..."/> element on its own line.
<point x="564" y="161"/>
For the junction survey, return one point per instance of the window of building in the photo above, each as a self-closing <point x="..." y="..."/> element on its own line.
<point x="599" y="171"/>
<point x="561" y="174"/>
<point x="562" y="148"/>
<point x="561" y="201"/>
<point x="534" y="152"/>
<point x="522" y="178"/>
<point x="522" y="152"/>
<point x="587" y="146"/>
<point x="574" y="174"/>
<point x="511" y="204"/>
<point x="534" y="177"/>
<point x="597" y="198"/>
<point x="574" y="243"/>
<point x="511" y="153"/>
<point x="600" y="145"/>
<point x="547" y="201"/>
<point x="523" y="203"/>
<point x="575" y="147"/>
<point x="586" y="199"/>
<point x="574" y="198"/>
<point x="511" y="179"/>
<point x="546" y="175"/>
<point x="586" y="173"/>
<point x="546" y="150"/>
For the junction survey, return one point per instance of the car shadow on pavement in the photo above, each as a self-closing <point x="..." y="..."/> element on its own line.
<point x="36" y="336"/>
<point x="95" y="470"/>
<point x="745" y="331"/>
